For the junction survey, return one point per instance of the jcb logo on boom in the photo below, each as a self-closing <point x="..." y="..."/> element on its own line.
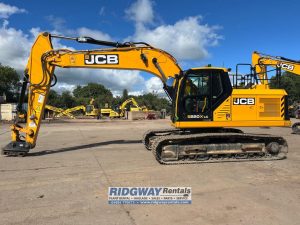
<point x="91" y="59"/>
<point x="244" y="101"/>
<point x="286" y="66"/>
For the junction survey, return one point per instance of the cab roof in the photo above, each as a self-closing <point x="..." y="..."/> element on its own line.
<point x="210" y="68"/>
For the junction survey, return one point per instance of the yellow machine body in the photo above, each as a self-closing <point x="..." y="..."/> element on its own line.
<point x="257" y="106"/>
<point x="268" y="109"/>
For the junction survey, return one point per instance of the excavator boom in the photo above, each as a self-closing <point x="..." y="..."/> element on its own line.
<point x="59" y="111"/>
<point x="73" y="109"/>
<point x="43" y="59"/>
<point x="260" y="61"/>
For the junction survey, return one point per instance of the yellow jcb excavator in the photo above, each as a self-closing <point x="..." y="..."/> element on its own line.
<point x="88" y="110"/>
<point x="119" y="111"/>
<point x="260" y="64"/>
<point x="133" y="106"/>
<point x="59" y="111"/>
<point x="205" y="104"/>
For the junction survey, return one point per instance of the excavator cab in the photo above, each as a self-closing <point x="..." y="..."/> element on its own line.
<point x="89" y="109"/>
<point x="200" y="92"/>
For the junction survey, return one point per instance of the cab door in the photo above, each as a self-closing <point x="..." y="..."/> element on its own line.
<point x="201" y="92"/>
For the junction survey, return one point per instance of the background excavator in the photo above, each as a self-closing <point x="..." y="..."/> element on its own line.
<point x="204" y="103"/>
<point x="88" y="110"/>
<point x="118" y="111"/>
<point x="58" y="112"/>
<point x="260" y="64"/>
<point x="130" y="104"/>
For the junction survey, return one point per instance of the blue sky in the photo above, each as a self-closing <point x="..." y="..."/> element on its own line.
<point x="230" y="30"/>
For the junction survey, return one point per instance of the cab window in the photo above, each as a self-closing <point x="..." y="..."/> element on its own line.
<point x="203" y="88"/>
<point x="196" y="93"/>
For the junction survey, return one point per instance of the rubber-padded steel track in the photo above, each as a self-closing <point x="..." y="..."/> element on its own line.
<point x="150" y="135"/>
<point x="160" y="142"/>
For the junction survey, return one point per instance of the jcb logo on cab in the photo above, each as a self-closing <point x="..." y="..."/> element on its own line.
<point x="244" y="101"/>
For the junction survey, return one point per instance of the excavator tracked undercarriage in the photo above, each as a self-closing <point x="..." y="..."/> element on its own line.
<point x="213" y="145"/>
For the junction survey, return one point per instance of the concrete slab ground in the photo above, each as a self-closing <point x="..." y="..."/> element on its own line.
<point x="65" y="180"/>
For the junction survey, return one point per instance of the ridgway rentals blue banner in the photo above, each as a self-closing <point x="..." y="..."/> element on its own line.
<point x="149" y="195"/>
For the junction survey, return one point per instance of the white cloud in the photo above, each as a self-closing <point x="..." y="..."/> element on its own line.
<point x="58" y="23"/>
<point x="136" y="93"/>
<point x="14" y="46"/>
<point x="16" y="56"/>
<point x="96" y="34"/>
<point x="35" y="31"/>
<point x="187" y="39"/>
<point x="154" y="85"/>
<point x="8" y="10"/>
<point x="141" y="11"/>
<point x="61" y="87"/>
<point x="115" y="80"/>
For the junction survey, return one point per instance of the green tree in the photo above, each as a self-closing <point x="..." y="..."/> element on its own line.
<point x="53" y="98"/>
<point x="91" y="90"/>
<point x="152" y="101"/>
<point x="125" y="95"/>
<point x="83" y="94"/>
<point x="9" y="79"/>
<point x="67" y="100"/>
<point x="101" y="94"/>
<point x="291" y="83"/>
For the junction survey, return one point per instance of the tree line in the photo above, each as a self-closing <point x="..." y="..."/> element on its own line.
<point x="291" y="83"/>
<point x="103" y="98"/>
<point x="81" y="95"/>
